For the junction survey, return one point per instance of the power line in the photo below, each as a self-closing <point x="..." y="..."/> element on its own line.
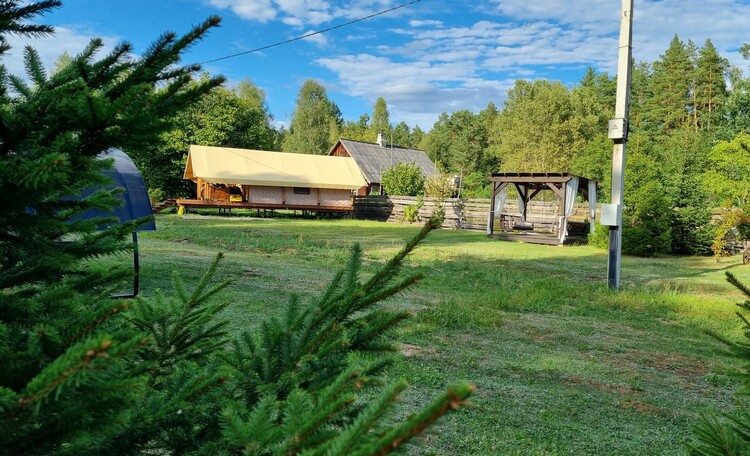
<point x="317" y="32"/>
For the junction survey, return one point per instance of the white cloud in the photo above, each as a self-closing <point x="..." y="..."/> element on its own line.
<point x="416" y="92"/>
<point x="655" y="22"/>
<point x="293" y="21"/>
<point x="426" y="23"/>
<point x="300" y="13"/>
<point x="50" y="48"/>
<point x="254" y="10"/>
<point x="319" y="39"/>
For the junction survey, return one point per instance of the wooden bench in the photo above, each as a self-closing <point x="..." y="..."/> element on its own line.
<point x="514" y="223"/>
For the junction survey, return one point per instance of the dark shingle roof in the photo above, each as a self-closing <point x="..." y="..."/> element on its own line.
<point x="372" y="159"/>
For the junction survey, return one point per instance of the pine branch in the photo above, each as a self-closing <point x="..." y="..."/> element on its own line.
<point x="12" y="15"/>
<point x="104" y="313"/>
<point x="449" y="401"/>
<point x="737" y="284"/>
<point x="33" y="65"/>
<point x="387" y="271"/>
<point x="368" y="420"/>
<point x="385" y="293"/>
<point x="70" y="369"/>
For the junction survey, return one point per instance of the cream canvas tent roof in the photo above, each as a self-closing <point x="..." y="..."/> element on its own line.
<point x="277" y="169"/>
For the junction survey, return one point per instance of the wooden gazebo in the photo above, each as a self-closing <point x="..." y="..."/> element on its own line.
<point x="518" y="227"/>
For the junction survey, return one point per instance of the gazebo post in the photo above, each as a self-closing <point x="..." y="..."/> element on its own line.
<point x="592" y="205"/>
<point x="491" y="219"/>
<point x="563" y="218"/>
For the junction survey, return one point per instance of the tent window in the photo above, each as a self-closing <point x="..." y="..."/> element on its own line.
<point x="301" y="191"/>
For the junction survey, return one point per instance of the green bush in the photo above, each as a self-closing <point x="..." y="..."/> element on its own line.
<point x="438" y="186"/>
<point x="647" y="222"/>
<point x="156" y="195"/>
<point x="600" y="237"/>
<point x="476" y="185"/>
<point x="411" y="211"/>
<point x="404" y="179"/>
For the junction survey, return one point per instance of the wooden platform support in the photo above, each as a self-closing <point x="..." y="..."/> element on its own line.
<point x="228" y="205"/>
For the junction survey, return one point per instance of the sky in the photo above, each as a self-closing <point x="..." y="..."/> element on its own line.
<point x="429" y="57"/>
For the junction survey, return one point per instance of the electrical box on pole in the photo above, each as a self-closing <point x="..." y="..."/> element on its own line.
<point x="618" y="129"/>
<point x="618" y="132"/>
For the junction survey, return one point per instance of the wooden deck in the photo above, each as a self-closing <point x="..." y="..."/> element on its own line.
<point x="537" y="238"/>
<point x="236" y="205"/>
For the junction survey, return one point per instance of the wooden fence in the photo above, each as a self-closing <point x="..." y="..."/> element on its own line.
<point x="460" y="213"/>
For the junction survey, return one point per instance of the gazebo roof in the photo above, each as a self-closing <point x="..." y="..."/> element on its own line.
<point x="534" y="178"/>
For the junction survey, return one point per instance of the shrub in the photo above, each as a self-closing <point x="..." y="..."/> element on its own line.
<point x="411" y="211"/>
<point x="156" y="195"/>
<point x="730" y="226"/>
<point x="476" y="185"/>
<point x="438" y="186"/>
<point x="404" y="179"/>
<point x="647" y="222"/>
<point x="600" y="237"/>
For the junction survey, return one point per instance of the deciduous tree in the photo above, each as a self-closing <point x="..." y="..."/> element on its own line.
<point x="538" y="128"/>
<point x="315" y="122"/>
<point x="222" y="117"/>
<point x="381" y="119"/>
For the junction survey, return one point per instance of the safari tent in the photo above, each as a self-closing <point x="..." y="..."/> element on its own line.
<point x="227" y="178"/>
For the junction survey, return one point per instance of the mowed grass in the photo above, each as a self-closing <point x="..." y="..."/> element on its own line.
<point x="562" y="365"/>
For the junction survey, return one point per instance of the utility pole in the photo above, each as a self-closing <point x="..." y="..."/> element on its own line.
<point x="618" y="132"/>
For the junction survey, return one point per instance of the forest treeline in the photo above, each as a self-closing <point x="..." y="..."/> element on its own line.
<point x="688" y="148"/>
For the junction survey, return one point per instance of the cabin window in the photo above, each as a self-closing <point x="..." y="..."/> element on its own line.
<point x="301" y="191"/>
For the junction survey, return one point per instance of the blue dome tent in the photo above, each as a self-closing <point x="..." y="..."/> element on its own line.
<point x="135" y="203"/>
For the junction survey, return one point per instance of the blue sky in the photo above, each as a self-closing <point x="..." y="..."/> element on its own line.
<point x="433" y="56"/>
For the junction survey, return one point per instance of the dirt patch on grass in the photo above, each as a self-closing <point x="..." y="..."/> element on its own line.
<point x="679" y="365"/>
<point x="601" y="386"/>
<point x="410" y="350"/>
<point x="670" y="363"/>
<point x="639" y="406"/>
<point x="630" y="397"/>
<point x="249" y="272"/>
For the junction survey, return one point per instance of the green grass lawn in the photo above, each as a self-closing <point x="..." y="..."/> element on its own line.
<point x="562" y="365"/>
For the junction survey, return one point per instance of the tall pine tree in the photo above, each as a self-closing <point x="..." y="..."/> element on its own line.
<point x="669" y="89"/>
<point x="710" y="85"/>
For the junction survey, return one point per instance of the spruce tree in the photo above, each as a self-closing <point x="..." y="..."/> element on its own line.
<point x="297" y="386"/>
<point x="69" y="384"/>
<point x="729" y="434"/>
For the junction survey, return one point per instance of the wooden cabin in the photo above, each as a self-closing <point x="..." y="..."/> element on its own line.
<point x="243" y="178"/>
<point x="562" y="227"/>
<point x="373" y="159"/>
